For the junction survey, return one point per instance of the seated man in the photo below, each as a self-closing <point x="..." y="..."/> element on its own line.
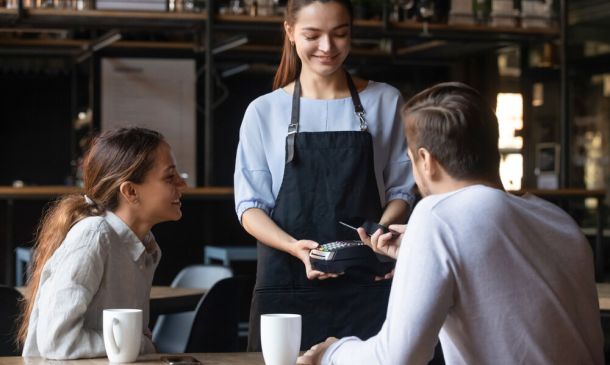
<point x="500" y="279"/>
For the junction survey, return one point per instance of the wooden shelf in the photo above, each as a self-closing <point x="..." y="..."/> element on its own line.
<point x="249" y="19"/>
<point x="119" y="14"/>
<point x="79" y="45"/>
<point x="61" y="18"/>
<point x="103" y="18"/>
<point x="415" y="26"/>
<point x="184" y="18"/>
<point x="464" y="28"/>
<point x="50" y="192"/>
<point x="36" y="192"/>
<point x="377" y="28"/>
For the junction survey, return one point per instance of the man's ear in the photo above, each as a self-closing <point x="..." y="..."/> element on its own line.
<point x="430" y="164"/>
<point x="129" y="192"/>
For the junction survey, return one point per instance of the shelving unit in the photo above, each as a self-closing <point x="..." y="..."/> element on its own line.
<point x="72" y="32"/>
<point x="191" y="33"/>
<point x="464" y="37"/>
<point x="100" y="19"/>
<point x="407" y="38"/>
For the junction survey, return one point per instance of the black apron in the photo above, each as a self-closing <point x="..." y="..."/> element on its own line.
<point x="329" y="176"/>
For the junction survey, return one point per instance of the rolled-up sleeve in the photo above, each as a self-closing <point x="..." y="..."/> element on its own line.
<point x="397" y="174"/>
<point x="252" y="177"/>
<point x="61" y="325"/>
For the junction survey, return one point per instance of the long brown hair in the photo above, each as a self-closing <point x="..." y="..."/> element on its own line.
<point x="117" y="156"/>
<point x="290" y="64"/>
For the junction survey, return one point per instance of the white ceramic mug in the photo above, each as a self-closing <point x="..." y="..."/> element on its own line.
<point x="122" y="334"/>
<point x="280" y="338"/>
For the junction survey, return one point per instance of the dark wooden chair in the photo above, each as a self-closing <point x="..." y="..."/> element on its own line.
<point x="215" y="327"/>
<point x="9" y="312"/>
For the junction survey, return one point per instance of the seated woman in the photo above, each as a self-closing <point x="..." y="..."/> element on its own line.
<point x="96" y="251"/>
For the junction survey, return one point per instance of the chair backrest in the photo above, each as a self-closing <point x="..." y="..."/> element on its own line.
<point x="215" y="327"/>
<point x="171" y="331"/>
<point x="9" y="312"/>
<point x="23" y="257"/>
<point x="201" y="276"/>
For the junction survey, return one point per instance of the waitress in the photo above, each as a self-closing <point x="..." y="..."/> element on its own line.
<point x="320" y="148"/>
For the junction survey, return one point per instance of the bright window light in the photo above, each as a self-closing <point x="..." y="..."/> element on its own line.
<point x="509" y="111"/>
<point x="511" y="171"/>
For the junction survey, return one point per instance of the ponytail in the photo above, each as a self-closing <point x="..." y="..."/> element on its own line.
<point x="57" y="220"/>
<point x="290" y="65"/>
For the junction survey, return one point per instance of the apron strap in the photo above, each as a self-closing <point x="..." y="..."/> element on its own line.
<point x="293" y="127"/>
<point x="356" y="100"/>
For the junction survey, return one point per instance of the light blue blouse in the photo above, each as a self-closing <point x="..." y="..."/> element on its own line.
<point x="259" y="166"/>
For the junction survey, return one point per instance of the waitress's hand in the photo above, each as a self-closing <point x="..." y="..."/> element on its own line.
<point x="300" y="250"/>
<point x="387" y="244"/>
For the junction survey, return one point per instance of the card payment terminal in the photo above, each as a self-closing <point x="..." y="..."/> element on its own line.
<point x="340" y="256"/>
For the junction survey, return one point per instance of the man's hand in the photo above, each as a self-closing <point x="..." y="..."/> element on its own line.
<point x="314" y="355"/>
<point x="301" y="251"/>
<point x="387" y="244"/>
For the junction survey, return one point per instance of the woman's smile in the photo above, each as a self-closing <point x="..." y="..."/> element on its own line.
<point x="326" y="59"/>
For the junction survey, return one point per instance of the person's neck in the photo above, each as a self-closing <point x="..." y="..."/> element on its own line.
<point x="450" y="184"/>
<point x="139" y="227"/>
<point x="315" y="86"/>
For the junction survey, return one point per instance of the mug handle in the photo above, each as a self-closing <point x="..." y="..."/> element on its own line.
<point x="109" y="333"/>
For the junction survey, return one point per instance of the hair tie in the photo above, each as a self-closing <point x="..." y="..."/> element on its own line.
<point x="88" y="200"/>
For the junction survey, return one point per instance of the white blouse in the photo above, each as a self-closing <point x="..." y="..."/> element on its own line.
<point x="101" y="264"/>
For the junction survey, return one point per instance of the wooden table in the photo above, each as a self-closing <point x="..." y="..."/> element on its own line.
<point x="235" y="358"/>
<point x="165" y="299"/>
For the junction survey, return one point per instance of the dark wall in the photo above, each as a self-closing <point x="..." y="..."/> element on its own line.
<point x="34" y="128"/>
<point x="241" y="89"/>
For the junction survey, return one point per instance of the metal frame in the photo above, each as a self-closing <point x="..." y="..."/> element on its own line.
<point x="209" y="99"/>
<point x="565" y="117"/>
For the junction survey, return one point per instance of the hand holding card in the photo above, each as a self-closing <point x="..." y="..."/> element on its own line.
<point x="371" y="227"/>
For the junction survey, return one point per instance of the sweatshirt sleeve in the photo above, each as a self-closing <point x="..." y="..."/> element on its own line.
<point x="422" y="295"/>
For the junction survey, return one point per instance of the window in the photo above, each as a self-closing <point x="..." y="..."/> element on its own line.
<point x="509" y="111"/>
